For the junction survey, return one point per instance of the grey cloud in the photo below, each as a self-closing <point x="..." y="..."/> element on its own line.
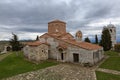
<point x="33" y="15"/>
<point x="33" y="30"/>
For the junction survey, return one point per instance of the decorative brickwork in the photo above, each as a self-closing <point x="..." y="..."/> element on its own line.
<point x="57" y="26"/>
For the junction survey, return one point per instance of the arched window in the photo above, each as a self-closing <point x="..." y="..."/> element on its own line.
<point x="60" y="50"/>
<point x="8" y="48"/>
<point x="111" y="30"/>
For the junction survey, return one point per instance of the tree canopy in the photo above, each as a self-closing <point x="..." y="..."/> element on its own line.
<point x="16" y="46"/>
<point x="106" y="40"/>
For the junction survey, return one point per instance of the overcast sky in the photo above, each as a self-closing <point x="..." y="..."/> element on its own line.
<point x="29" y="18"/>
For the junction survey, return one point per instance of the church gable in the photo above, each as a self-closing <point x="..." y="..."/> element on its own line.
<point x="66" y="36"/>
<point x="44" y="36"/>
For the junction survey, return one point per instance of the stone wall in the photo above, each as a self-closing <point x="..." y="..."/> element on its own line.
<point x="98" y="55"/>
<point x="36" y="53"/>
<point x="85" y="56"/>
<point x="53" y="50"/>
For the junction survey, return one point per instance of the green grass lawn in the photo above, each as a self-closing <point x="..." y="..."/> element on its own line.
<point x="113" y="62"/>
<point x="2" y="56"/>
<point x="13" y="65"/>
<point x="106" y="76"/>
<point x="111" y="53"/>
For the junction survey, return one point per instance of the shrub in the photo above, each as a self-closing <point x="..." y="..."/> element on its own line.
<point x="117" y="47"/>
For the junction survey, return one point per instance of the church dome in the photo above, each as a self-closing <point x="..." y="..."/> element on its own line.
<point x="78" y="34"/>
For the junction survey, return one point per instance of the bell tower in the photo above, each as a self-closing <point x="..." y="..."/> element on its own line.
<point x="56" y="26"/>
<point x="112" y="31"/>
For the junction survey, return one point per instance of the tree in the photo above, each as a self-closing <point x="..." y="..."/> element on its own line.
<point x="37" y="38"/>
<point x="16" y="46"/>
<point x="106" y="40"/>
<point x="87" y="40"/>
<point x="96" y="39"/>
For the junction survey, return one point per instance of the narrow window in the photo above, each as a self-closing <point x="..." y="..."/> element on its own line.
<point x="111" y="30"/>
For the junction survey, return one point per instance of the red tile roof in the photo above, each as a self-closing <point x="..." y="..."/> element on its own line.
<point x="58" y="35"/>
<point x="85" y="45"/>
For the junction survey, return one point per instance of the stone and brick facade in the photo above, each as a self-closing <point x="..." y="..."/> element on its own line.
<point x="56" y="26"/>
<point x="36" y="51"/>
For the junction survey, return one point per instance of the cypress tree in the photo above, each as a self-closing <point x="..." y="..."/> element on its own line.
<point x="16" y="46"/>
<point x="96" y="39"/>
<point x="37" y="38"/>
<point x="106" y="40"/>
<point x="87" y="40"/>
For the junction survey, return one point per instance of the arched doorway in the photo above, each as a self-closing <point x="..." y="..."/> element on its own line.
<point x="62" y="54"/>
<point x="8" y="48"/>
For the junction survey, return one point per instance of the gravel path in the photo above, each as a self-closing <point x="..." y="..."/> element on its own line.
<point x="63" y="71"/>
<point x="109" y="71"/>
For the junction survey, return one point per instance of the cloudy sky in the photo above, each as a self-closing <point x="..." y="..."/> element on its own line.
<point x="29" y="18"/>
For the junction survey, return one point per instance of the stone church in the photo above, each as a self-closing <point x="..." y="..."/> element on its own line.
<point x="62" y="46"/>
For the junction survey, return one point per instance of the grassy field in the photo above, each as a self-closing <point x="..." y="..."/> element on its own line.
<point x="113" y="62"/>
<point x="111" y="53"/>
<point x="106" y="76"/>
<point x="12" y="65"/>
<point x="2" y="56"/>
